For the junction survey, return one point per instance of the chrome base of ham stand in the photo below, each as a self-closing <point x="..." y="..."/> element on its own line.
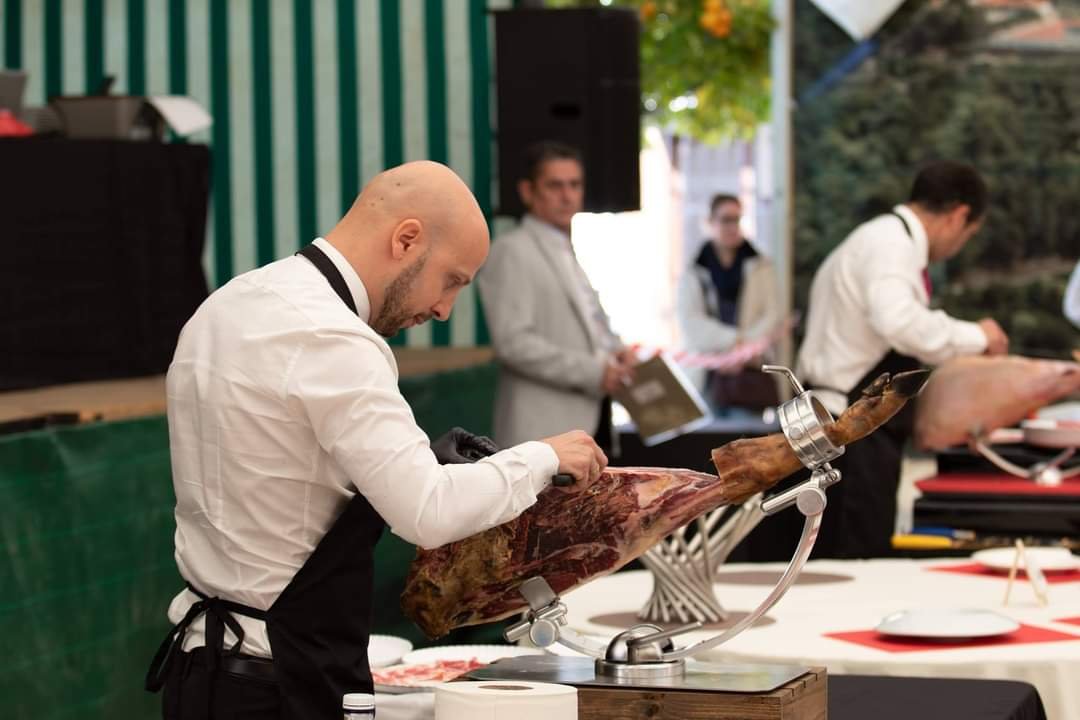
<point x="685" y="569"/>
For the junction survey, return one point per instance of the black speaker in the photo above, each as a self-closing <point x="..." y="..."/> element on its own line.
<point x="571" y="75"/>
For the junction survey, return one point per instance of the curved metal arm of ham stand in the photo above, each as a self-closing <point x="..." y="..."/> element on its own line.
<point x="1048" y="472"/>
<point x="646" y="651"/>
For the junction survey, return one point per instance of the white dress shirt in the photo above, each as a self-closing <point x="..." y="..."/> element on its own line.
<point x="283" y="405"/>
<point x="1070" y="304"/>
<point x="868" y="298"/>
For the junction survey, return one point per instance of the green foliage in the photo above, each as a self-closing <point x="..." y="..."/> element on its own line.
<point x="724" y="67"/>
<point x="1029" y="308"/>
<point x="934" y="90"/>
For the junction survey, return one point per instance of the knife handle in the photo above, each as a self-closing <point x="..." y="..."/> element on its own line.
<point x="562" y="480"/>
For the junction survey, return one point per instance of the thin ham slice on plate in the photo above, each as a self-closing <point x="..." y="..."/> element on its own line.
<point x="421" y="676"/>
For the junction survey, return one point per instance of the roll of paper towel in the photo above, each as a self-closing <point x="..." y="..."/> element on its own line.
<point x="505" y="700"/>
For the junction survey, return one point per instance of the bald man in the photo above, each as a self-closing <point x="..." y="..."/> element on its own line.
<point x="292" y="448"/>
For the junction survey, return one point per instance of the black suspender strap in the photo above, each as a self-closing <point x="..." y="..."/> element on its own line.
<point x="333" y="276"/>
<point x="907" y="228"/>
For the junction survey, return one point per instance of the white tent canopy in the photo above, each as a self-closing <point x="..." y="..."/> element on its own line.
<point x="859" y="18"/>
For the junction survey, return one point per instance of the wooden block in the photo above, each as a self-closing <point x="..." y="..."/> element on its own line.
<point x="804" y="698"/>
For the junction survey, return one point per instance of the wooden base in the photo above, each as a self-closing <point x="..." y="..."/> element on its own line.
<point x="804" y="698"/>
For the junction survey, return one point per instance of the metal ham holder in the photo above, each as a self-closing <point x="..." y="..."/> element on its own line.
<point x="1039" y="433"/>
<point x="644" y="656"/>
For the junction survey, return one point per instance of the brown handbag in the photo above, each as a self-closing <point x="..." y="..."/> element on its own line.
<point x="749" y="388"/>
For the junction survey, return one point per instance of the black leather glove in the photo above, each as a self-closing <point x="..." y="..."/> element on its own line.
<point x="461" y="446"/>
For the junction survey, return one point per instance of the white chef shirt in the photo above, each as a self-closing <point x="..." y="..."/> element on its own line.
<point x="283" y="405"/>
<point x="867" y="298"/>
<point x="584" y="295"/>
<point x="1070" y="304"/>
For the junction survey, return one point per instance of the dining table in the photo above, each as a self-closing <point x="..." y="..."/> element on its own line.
<point x="829" y="618"/>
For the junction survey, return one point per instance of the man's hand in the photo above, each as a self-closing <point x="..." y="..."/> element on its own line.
<point x="579" y="455"/>
<point x="619" y="372"/>
<point x="461" y="446"/>
<point x="997" y="342"/>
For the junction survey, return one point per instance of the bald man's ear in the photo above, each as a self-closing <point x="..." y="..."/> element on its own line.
<point x="407" y="239"/>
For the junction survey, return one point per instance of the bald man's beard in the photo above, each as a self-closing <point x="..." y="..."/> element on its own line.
<point x="394" y="314"/>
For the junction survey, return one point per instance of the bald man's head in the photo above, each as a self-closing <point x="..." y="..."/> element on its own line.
<point x="416" y="236"/>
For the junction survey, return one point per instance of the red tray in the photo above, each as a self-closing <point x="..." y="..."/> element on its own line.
<point x="994" y="484"/>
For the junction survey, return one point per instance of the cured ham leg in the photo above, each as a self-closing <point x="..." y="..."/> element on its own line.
<point x="574" y="534"/>
<point x="976" y="395"/>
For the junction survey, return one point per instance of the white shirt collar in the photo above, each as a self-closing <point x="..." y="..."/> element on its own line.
<point x="544" y="228"/>
<point x="356" y="285"/>
<point x="918" y="232"/>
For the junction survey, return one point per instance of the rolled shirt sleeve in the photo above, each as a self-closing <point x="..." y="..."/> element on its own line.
<point x="1070" y="304"/>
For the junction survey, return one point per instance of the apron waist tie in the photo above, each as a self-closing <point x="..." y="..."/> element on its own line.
<point x="218" y="617"/>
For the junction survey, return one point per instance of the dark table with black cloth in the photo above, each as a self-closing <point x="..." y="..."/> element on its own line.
<point x="1000" y="505"/>
<point x="102" y="246"/>
<point x="872" y="697"/>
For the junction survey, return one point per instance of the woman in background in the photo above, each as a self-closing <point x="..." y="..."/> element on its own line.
<point x="726" y="297"/>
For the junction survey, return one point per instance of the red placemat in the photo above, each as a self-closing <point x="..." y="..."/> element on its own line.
<point x="1070" y="621"/>
<point x="994" y="484"/>
<point x="1026" y="635"/>
<point x="976" y="569"/>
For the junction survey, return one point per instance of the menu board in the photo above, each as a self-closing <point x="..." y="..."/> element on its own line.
<point x="661" y="402"/>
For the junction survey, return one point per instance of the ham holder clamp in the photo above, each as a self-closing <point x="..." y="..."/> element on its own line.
<point x="644" y="658"/>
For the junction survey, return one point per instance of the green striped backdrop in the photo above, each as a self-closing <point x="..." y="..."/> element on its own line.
<point x="310" y="98"/>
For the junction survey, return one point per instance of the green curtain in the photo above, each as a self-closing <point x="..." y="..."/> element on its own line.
<point x="88" y="571"/>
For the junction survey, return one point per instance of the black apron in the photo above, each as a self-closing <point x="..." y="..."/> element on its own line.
<point x="862" y="507"/>
<point x="320" y="623"/>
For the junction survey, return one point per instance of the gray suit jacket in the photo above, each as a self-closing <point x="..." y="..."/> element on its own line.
<point x="550" y="364"/>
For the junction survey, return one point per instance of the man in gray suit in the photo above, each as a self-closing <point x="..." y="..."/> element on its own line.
<point x="558" y="357"/>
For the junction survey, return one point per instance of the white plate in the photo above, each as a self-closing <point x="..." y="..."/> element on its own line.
<point x="1044" y="432"/>
<point x="947" y="624"/>
<point x="483" y="653"/>
<point x="1060" y="411"/>
<point x="1049" y="559"/>
<point x="384" y="650"/>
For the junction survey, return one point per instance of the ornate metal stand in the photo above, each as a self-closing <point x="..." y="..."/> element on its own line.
<point x="684" y="568"/>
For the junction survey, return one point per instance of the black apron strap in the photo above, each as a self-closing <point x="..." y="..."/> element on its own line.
<point x="166" y="652"/>
<point x="904" y="222"/>
<point x="219" y="615"/>
<point x="333" y="276"/>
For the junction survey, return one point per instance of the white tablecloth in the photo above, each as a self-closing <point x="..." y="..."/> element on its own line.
<point x="413" y="706"/>
<point x="877" y="588"/>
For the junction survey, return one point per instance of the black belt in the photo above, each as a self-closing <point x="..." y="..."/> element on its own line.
<point x="244" y="665"/>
